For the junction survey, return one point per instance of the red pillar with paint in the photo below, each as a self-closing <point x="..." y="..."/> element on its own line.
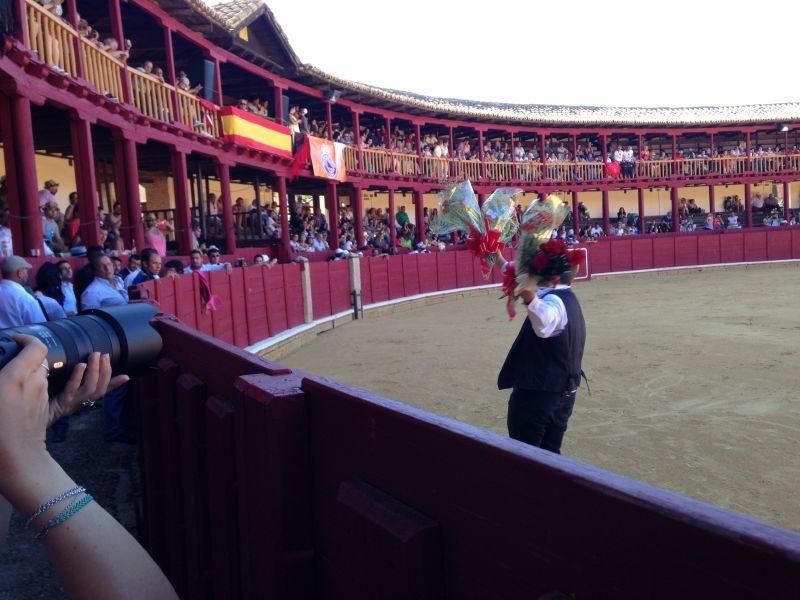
<point x="419" y="216"/>
<point x="14" y="197"/>
<point x="283" y="203"/>
<point x="22" y="129"/>
<point x="748" y="204"/>
<point x="83" y="153"/>
<point x="132" y="199"/>
<point x="277" y="103"/>
<point x="606" y="217"/>
<point x="170" y="56"/>
<point x="576" y="217"/>
<point x="224" y="173"/>
<point x="183" y="212"/>
<point x="332" y="204"/>
<point x="641" y="211"/>
<point x="675" y="220"/>
<point x="712" y="200"/>
<point x="358" y="215"/>
<point x="787" y="213"/>
<point x="392" y="228"/>
<point x="481" y="155"/>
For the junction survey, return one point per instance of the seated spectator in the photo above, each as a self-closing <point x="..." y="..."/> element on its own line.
<point x="150" y="268"/>
<point x="104" y="290"/>
<point x="709" y="224"/>
<point x="132" y="269"/>
<point x="186" y="85"/>
<point x="263" y="260"/>
<point x="173" y="268"/>
<point x="48" y="291"/>
<point x="70" y="302"/>
<point x="733" y="221"/>
<point x="693" y="208"/>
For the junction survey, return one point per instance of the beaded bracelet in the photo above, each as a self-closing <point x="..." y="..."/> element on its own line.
<point x="53" y="501"/>
<point x="64" y="516"/>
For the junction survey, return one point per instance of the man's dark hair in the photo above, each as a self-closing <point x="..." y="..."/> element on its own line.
<point x="147" y="254"/>
<point x="93" y="251"/>
<point x="134" y="257"/>
<point x="116" y="258"/>
<point x="174" y="264"/>
<point x="195" y="251"/>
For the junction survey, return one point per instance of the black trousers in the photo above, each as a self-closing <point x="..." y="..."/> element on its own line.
<point x="540" y="418"/>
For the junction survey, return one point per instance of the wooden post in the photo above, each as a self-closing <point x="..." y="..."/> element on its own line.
<point x="481" y="155"/>
<point x="15" y="195"/>
<point x="787" y="189"/>
<point x="712" y="200"/>
<point x="85" y="178"/>
<point x="392" y="228"/>
<point x="332" y="204"/>
<point x="218" y="82"/>
<point x="675" y="220"/>
<point x="329" y="117"/>
<point x="748" y="204"/>
<point x="22" y="129"/>
<point x="420" y="165"/>
<point x="224" y="174"/>
<point x="132" y="192"/>
<point x="183" y="215"/>
<point x="748" y="163"/>
<point x="170" y="55"/>
<point x="357" y="134"/>
<point x="72" y="15"/>
<point x="606" y="217"/>
<point x="419" y="215"/>
<point x="115" y="16"/>
<point x="451" y="155"/>
<point x="641" y="211"/>
<point x="358" y="215"/>
<point x="277" y="103"/>
<point x="576" y="216"/>
<point x="283" y="202"/>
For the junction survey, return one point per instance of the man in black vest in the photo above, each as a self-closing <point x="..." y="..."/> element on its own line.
<point x="543" y="367"/>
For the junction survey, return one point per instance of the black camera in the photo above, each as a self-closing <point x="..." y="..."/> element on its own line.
<point x="123" y="332"/>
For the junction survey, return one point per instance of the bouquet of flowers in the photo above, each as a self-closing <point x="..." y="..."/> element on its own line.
<point x="538" y="255"/>
<point x="500" y="219"/>
<point x="458" y="210"/>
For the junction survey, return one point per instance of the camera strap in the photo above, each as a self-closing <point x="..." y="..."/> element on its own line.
<point x="41" y="305"/>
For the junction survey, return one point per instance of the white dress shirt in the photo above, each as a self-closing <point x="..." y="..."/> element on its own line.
<point x="70" y="301"/>
<point x="547" y="314"/>
<point x="17" y="306"/>
<point x="53" y="310"/>
<point x="130" y="277"/>
<point x="101" y="292"/>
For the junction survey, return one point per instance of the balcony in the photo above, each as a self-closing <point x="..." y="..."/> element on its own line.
<point x="58" y="47"/>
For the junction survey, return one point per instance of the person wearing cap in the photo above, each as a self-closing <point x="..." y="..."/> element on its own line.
<point x="17" y="306"/>
<point x="48" y="193"/>
<point x="214" y="263"/>
<point x="543" y="367"/>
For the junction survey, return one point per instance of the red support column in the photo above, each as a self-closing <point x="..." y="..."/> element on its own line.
<point x="451" y="155"/>
<point x="513" y="169"/>
<point x="357" y="133"/>
<point x="418" y="133"/>
<point x="675" y="221"/>
<point x="748" y="205"/>
<point x="787" y="189"/>
<point x="748" y="163"/>
<point x="132" y="192"/>
<point x="277" y="103"/>
<point x="576" y="217"/>
<point x="606" y="217"/>
<point x="224" y="174"/>
<point x="604" y="143"/>
<point x="542" y="157"/>
<point x="332" y="204"/>
<point x="121" y="193"/>
<point x="480" y="154"/>
<point x="640" y="223"/>
<point x="170" y="55"/>
<point x="183" y="212"/>
<point x="218" y="82"/>
<point x="14" y="195"/>
<point x="72" y="15"/>
<point x="358" y="216"/>
<point x="83" y="152"/>
<point x="22" y="130"/>
<point x="329" y="117"/>
<point x="22" y="33"/>
<point x="712" y="200"/>
<point x="115" y="16"/>
<point x="392" y="228"/>
<point x="419" y="215"/>
<point x="283" y="203"/>
<point x="674" y="159"/>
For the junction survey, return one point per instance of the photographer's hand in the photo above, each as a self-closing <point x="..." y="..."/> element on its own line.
<point x="89" y="381"/>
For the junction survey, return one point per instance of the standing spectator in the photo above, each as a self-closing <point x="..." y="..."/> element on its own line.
<point x="6" y="238"/>
<point x="48" y="193"/>
<point x="154" y="235"/>
<point x="52" y="237"/>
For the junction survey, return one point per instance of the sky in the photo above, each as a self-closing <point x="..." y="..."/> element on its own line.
<point x="573" y="52"/>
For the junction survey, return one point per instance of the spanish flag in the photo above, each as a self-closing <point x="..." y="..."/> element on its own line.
<point x="247" y="129"/>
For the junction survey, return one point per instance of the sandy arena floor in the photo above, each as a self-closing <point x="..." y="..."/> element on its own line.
<point x="694" y="378"/>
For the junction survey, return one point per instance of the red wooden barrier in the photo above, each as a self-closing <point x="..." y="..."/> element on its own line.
<point x="293" y="288"/>
<point x="426" y="271"/>
<point x="731" y="247"/>
<point x="641" y="254"/>
<point x="465" y="275"/>
<point x="222" y="318"/>
<point x="379" y="278"/>
<point x="320" y="289"/>
<point x="256" y="305"/>
<point x="366" y="280"/>
<point x="394" y="269"/>
<point x="685" y="250"/>
<point x="339" y="283"/>
<point x="411" y="283"/>
<point x="274" y="285"/>
<point x="755" y="245"/>
<point x="708" y="249"/>
<point x="621" y="255"/>
<point x="446" y="270"/>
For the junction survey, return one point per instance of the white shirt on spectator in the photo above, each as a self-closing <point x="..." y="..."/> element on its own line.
<point x="17" y="306"/>
<point x="6" y="242"/>
<point x="70" y="301"/>
<point x="130" y="277"/>
<point x="210" y="267"/>
<point x="619" y="155"/>
<point x="45" y="196"/>
<point x="53" y="310"/>
<point x="318" y="245"/>
<point x="101" y="292"/>
<point x="547" y="312"/>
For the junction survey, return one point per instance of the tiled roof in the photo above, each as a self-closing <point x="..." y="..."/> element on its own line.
<point x="232" y="14"/>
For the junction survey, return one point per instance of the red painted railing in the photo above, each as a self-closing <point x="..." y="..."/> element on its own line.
<point x="261" y="482"/>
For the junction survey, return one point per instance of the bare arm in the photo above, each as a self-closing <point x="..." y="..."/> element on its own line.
<point x="94" y="556"/>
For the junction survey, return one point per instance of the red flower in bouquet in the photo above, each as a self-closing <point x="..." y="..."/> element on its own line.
<point x="540" y="261"/>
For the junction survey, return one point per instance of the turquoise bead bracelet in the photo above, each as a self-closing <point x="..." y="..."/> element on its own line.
<point x="64" y="516"/>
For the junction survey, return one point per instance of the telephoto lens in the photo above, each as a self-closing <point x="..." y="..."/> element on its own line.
<point x="123" y="332"/>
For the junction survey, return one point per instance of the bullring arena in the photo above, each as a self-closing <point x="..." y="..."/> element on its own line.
<point x="692" y="377"/>
<point x="318" y="414"/>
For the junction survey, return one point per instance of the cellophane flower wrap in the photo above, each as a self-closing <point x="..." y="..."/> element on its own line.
<point x="458" y="210"/>
<point x="538" y="222"/>
<point x="536" y="227"/>
<point x="500" y="220"/>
